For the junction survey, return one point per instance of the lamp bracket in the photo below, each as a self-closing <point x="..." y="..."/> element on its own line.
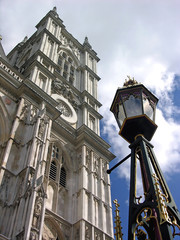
<point x="115" y="166"/>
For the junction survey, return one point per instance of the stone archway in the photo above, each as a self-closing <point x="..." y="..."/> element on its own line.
<point x="51" y="230"/>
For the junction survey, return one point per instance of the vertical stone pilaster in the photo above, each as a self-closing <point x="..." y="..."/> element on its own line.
<point x="92" y="232"/>
<point x="82" y="230"/>
<point x="34" y="75"/>
<point x="92" y="172"/>
<point x="11" y="139"/>
<point x="101" y="178"/>
<point x="48" y="23"/>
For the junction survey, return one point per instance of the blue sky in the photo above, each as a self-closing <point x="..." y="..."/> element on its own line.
<point x="140" y="38"/>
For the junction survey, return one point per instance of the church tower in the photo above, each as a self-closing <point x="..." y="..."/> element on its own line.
<point x="53" y="180"/>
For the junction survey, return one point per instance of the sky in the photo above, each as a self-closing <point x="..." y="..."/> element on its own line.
<point x="139" y="38"/>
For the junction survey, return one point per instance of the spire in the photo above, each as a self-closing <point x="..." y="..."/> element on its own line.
<point x="55" y="11"/>
<point x="86" y="43"/>
<point x="2" y="53"/>
<point x="23" y="41"/>
<point x="118" y="228"/>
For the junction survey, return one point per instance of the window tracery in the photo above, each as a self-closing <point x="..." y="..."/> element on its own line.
<point x="57" y="168"/>
<point x="66" y="67"/>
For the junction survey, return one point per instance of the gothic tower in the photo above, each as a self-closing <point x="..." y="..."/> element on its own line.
<point x="53" y="181"/>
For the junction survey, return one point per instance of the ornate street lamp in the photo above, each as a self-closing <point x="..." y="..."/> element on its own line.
<point x="153" y="216"/>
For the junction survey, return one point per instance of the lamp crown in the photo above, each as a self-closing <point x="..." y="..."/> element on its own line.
<point x="130" y="82"/>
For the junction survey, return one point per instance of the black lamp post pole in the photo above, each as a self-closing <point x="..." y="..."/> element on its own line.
<point x="154" y="217"/>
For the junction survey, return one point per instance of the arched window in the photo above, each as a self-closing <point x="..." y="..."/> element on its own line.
<point x="53" y="171"/>
<point x="57" y="170"/>
<point x="62" y="180"/>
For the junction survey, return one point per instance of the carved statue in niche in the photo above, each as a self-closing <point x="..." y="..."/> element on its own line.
<point x="44" y="121"/>
<point x="97" y="236"/>
<point x="87" y="235"/>
<point x="33" y="114"/>
<point x="28" y="114"/>
<point x="24" y="112"/>
<point x="41" y="128"/>
<point x="104" y="171"/>
<point x="77" y="236"/>
<point x="37" y="210"/>
<point x="96" y="165"/>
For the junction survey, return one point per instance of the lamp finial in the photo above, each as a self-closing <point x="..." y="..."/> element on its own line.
<point x="130" y="81"/>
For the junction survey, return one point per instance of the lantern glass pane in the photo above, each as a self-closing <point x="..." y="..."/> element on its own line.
<point x="121" y="114"/>
<point x="148" y="107"/>
<point x="133" y="106"/>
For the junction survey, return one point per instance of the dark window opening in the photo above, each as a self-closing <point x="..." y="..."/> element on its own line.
<point x="62" y="181"/>
<point x="53" y="170"/>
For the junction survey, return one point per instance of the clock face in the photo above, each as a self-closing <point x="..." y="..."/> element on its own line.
<point x="67" y="111"/>
<point x="64" y="108"/>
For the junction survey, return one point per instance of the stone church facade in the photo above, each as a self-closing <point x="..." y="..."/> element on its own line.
<point x="53" y="181"/>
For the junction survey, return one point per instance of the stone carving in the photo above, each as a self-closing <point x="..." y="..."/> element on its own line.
<point x="97" y="236"/>
<point x="96" y="165"/>
<point x="130" y="82"/>
<point x="10" y="72"/>
<point x="104" y="171"/>
<point x="24" y="112"/>
<point x="23" y="42"/>
<point x="69" y="44"/>
<point x="77" y="235"/>
<point x="86" y="43"/>
<point x="44" y="121"/>
<point x="59" y="87"/>
<point x="29" y="184"/>
<point x="55" y="12"/>
<point x="87" y="233"/>
<point x="41" y="129"/>
<point x="37" y="210"/>
<point x="28" y="114"/>
<point x="55" y="9"/>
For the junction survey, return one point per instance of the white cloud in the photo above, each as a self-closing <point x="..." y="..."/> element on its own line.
<point x="137" y="38"/>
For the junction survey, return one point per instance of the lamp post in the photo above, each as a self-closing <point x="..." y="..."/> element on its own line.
<point x="153" y="216"/>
